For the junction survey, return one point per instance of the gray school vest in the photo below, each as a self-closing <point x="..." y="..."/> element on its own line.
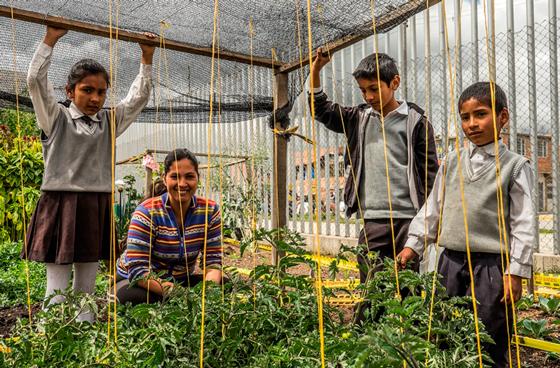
<point x="373" y="194"/>
<point x="75" y="159"/>
<point x="480" y="194"/>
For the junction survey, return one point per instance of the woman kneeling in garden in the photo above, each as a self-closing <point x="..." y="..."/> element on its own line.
<point x="167" y="233"/>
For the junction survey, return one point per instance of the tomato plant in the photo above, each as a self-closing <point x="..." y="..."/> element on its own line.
<point x="267" y="320"/>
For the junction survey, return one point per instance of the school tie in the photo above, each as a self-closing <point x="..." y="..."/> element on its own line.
<point x="86" y="119"/>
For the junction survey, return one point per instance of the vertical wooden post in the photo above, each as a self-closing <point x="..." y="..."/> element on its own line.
<point x="280" y="152"/>
<point x="148" y="183"/>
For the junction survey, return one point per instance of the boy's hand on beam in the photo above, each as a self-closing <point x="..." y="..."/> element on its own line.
<point x="322" y="58"/>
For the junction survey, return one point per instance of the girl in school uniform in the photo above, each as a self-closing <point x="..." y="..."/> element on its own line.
<point x="71" y="225"/>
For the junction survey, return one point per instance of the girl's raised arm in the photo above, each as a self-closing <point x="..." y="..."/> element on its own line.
<point x="41" y="90"/>
<point x="139" y="93"/>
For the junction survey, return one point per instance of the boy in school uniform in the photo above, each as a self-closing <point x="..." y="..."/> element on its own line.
<point x="478" y="168"/>
<point x="407" y="132"/>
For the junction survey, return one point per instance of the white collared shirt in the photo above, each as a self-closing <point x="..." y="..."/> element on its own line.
<point x="521" y="237"/>
<point x="77" y="114"/>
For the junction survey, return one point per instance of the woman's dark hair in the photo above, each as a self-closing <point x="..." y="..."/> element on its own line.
<point x="85" y="68"/>
<point x="177" y="155"/>
<point x="157" y="188"/>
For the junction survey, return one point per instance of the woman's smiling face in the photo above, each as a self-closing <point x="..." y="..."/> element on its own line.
<point x="181" y="182"/>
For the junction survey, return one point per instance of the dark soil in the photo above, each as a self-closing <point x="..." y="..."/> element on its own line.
<point x="9" y="316"/>
<point x="533" y="358"/>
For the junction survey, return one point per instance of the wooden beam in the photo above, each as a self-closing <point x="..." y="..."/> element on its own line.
<point x="104" y="31"/>
<point x="347" y="40"/>
<point x="137" y="158"/>
<point x="205" y="154"/>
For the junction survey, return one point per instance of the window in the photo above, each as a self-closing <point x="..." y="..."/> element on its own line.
<point x="542" y="147"/>
<point x="521" y="146"/>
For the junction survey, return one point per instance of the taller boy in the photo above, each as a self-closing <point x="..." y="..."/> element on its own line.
<point x="405" y="126"/>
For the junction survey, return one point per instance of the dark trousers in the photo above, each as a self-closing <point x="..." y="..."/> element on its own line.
<point x="489" y="289"/>
<point x="138" y="295"/>
<point x="377" y="234"/>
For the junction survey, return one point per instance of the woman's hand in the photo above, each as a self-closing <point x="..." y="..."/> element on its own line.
<point x="53" y="35"/>
<point x="157" y="286"/>
<point x="167" y="287"/>
<point x="148" y="50"/>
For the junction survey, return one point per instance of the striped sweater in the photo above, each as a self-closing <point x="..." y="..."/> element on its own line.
<point x="154" y="230"/>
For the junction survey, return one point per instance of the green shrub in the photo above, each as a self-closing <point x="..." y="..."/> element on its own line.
<point x="25" y="122"/>
<point x="536" y="328"/>
<point x="550" y="306"/>
<point x="21" y="161"/>
<point x="13" y="277"/>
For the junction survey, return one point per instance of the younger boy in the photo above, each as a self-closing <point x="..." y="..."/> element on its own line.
<point x="405" y="125"/>
<point x="478" y="167"/>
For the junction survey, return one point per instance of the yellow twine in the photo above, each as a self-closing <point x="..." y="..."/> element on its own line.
<point x="316" y="180"/>
<point x="207" y="185"/>
<point x="20" y="151"/>
<point x="504" y="243"/>
<point x="292" y="131"/>
<point x="221" y="168"/>
<point x="382" y="119"/>
<point x="461" y="185"/>
<point x="112" y="310"/>
<point x="251" y="80"/>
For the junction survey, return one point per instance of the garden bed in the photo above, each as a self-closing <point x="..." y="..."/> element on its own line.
<point x="296" y="320"/>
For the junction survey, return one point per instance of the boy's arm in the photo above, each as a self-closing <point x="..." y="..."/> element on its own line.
<point x="420" y="155"/>
<point x="522" y="236"/>
<point x="332" y="115"/>
<point x="137" y="98"/>
<point x="424" y="226"/>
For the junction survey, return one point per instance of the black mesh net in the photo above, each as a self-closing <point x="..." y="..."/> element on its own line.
<point x="258" y="29"/>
